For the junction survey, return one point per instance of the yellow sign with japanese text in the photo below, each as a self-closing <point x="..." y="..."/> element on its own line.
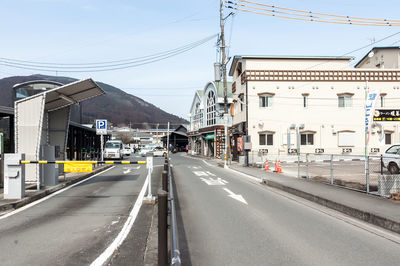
<point x="78" y="167"/>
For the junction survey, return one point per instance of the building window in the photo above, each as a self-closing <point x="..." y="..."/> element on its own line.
<point x="305" y="101"/>
<point x="307" y="139"/>
<point x="388" y="138"/>
<point x="382" y="101"/>
<point x="266" y="139"/>
<point x="265" y="101"/>
<point x="346" y="139"/>
<point x="211" y="117"/>
<point x="344" y="101"/>
<point x="241" y="102"/>
<point x="198" y="117"/>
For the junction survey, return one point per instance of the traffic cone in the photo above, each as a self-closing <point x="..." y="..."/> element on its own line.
<point x="275" y="166"/>
<point x="279" y="170"/>
<point x="266" y="165"/>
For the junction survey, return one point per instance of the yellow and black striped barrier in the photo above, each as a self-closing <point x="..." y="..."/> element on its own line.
<point x="81" y="166"/>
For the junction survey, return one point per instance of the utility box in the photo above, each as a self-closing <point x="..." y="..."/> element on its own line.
<point x="14" y="176"/>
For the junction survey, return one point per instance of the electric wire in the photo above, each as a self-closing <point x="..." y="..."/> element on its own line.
<point x="311" y="16"/>
<point x="319" y="13"/>
<point x="85" y="68"/>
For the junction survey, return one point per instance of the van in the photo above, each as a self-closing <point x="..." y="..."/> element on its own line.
<point x="113" y="150"/>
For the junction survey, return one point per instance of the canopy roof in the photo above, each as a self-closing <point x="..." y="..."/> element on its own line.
<point x="71" y="93"/>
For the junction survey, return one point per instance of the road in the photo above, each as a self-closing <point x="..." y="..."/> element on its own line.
<point x="227" y="219"/>
<point x="77" y="225"/>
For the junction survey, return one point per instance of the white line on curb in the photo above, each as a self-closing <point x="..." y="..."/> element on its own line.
<point x="51" y="195"/>
<point x="125" y="229"/>
<point x="246" y="175"/>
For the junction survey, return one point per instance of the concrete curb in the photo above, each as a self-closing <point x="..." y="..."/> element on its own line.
<point x="359" y="214"/>
<point x="48" y="191"/>
<point x="350" y="211"/>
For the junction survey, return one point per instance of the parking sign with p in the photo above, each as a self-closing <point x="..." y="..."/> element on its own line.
<point x="101" y="127"/>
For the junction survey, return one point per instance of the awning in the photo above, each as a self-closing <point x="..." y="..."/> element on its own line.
<point x="71" y="93"/>
<point x="210" y="137"/>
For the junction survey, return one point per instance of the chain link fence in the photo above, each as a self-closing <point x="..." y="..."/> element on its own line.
<point x="377" y="174"/>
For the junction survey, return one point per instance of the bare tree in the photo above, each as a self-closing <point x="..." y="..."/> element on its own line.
<point x="125" y="137"/>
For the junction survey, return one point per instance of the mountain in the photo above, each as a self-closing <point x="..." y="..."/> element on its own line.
<point x="115" y="105"/>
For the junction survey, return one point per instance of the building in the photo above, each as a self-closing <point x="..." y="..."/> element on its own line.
<point x="206" y="130"/>
<point x="381" y="57"/>
<point x="178" y="139"/>
<point x="309" y="104"/>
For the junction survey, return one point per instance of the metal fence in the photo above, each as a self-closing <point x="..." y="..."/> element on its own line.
<point x="165" y="228"/>
<point x="368" y="174"/>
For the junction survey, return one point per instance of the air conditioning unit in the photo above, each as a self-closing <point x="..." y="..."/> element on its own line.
<point x="374" y="149"/>
<point x="319" y="151"/>
<point x="292" y="151"/>
<point x="346" y="150"/>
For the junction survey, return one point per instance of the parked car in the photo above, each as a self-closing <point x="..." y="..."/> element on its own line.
<point x="145" y="150"/>
<point x="159" y="151"/>
<point x="113" y="150"/>
<point x="127" y="151"/>
<point x="391" y="159"/>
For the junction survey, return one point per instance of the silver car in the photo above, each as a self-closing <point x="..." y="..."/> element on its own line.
<point x="391" y="159"/>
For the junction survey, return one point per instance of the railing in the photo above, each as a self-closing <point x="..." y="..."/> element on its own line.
<point x="377" y="174"/>
<point x="165" y="194"/>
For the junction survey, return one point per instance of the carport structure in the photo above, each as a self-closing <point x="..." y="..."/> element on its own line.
<point x="42" y="120"/>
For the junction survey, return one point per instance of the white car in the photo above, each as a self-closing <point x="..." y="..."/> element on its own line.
<point x="113" y="150"/>
<point x="391" y="159"/>
<point x="126" y="151"/>
<point x="145" y="150"/>
<point x="159" y="151"/>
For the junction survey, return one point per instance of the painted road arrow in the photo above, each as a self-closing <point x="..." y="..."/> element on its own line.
<point x="236" y="196"/>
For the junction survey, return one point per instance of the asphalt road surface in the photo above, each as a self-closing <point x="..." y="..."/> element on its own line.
<point x="227" y="219"/>
<point x="75" y="226"/>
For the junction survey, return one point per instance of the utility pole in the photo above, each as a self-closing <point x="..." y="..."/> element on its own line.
<point x="224" y="81"/>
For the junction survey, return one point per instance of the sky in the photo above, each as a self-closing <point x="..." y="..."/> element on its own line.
<point x="86" y="31"/>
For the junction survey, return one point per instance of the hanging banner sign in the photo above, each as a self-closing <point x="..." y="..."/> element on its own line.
<point x="372" y="98"/>
<point x="387" y="115"/>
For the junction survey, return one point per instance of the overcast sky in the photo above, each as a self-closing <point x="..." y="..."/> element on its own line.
<point x="81" y="31"/>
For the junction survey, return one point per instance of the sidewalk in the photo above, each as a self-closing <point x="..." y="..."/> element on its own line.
<point x="31" y="194"/>
<point x="369" y="208"/>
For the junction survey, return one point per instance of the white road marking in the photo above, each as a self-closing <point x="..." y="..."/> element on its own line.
<point x="209" y="173"/>
<point x="200" y="173"/>
<point x="127" y="171"/>
<point x="51" y="195"/>
<point x="207" y="163"/>
<point x="213" y="182"/>
<point x="125" y="229"/>
<point x="236" y="196"/>
<point x="224" y="181"/>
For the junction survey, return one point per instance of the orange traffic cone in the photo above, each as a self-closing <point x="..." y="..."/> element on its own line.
<point x="266" y="165"/>
<point x="276" y="165"/>
<point x="279" y="170"/>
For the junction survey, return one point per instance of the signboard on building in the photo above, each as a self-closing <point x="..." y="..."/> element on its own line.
<point x="101" y="127"/>
<point x="387" y="115"/>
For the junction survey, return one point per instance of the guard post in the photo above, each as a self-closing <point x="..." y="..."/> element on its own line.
<point x="149" y="165"/>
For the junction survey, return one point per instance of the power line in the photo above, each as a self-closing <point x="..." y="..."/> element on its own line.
<point x="146" y="60"/>
<point x="311" y="16"/>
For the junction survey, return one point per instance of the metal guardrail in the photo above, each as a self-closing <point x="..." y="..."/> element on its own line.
<point x="165" y="194"/>
<point x="175" y="254"/>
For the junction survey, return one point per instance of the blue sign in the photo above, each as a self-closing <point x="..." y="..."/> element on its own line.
<point x="101" y="127"/>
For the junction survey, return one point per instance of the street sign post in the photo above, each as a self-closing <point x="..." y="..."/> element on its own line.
<point x="101" y="129"/>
